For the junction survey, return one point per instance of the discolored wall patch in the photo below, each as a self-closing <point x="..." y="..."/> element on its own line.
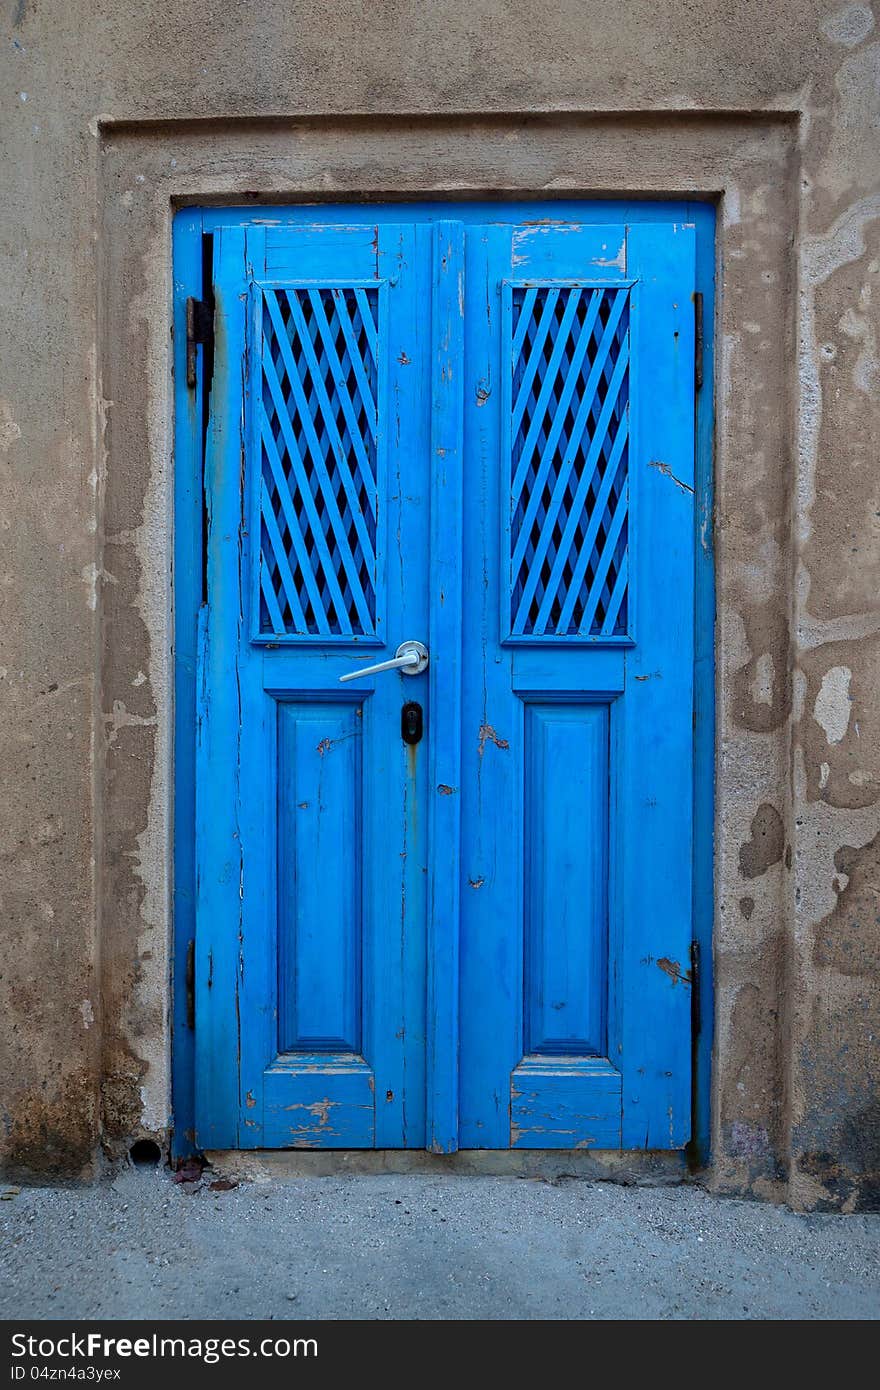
<point x="766" y="844"/>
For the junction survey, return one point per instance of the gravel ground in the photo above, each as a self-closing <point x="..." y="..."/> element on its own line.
<point x="419" y="1246"/>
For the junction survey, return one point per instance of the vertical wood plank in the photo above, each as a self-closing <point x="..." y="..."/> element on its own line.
<point x="188" y="408"/>
<point x="491" y="968"/>
<point x="395" y="786"/>
<point x="218" y="837"/>
<point x="445" y="622"/>
<point x="257" y="730"/>
<point x="703" y="216"/>
<point x="656" y="729"/>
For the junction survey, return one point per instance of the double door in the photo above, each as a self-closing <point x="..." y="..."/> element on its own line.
<point x="446" y="902"/>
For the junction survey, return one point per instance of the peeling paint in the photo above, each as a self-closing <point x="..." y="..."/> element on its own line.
<point x="834" y="704"/>
<point x="488" y="735"/>
<point x="674" y="971"/>
<point x="667" y="472"/>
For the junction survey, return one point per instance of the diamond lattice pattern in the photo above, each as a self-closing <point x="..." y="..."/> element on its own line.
<point x="319" y="424"/>
<point x="569" y="488"/>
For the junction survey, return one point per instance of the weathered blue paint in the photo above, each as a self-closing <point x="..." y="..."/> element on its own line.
<point x="310" y="960"/>
<point x="533" y="798"/>
<point x="565" y="1104"/>
<point x="187" y="572"/>
<point x="444" y="732"/>
<point x="574" y="1005"/>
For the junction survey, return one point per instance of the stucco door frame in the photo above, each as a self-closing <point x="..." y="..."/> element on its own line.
<point x="149" y="172"/>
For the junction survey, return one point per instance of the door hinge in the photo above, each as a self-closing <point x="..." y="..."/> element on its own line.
<point x="199" y="332"/>
<point x="695" y="988"/>
<point x="698" y="340"/>
<point x="191" y="985"/>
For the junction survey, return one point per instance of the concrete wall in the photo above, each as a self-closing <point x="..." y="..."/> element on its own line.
<point x="111" y="112"/>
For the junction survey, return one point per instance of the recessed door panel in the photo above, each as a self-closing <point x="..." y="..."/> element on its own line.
<point x="565" y="872"/>
<point x="320" y="916"/>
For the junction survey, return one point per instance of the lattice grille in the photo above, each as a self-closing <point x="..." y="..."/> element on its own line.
<point x="319" y="497"/>
<point x="569" y="484"/>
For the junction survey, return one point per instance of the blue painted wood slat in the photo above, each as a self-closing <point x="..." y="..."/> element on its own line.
<point x="654" y="928"/>
<point x="187" y="571"/>
<point x="217" y="830"/>
<point x="444" y="824"/>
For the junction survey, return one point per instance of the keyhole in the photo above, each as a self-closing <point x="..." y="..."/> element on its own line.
<point x="411" y="722"/>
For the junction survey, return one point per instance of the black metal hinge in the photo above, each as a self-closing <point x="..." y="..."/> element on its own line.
<point x="698" y="340"/>
<point x="199" y="332"/>
<point x="696" y="1020"/>
<point x="191" y="985"/>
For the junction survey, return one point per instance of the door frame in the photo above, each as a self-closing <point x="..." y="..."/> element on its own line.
<point x="191" y="266"/>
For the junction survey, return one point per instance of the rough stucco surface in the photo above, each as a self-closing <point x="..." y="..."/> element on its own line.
<point x="788" y="141"/>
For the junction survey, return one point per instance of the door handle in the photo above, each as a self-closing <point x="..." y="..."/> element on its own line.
<point x="410" y="658"/>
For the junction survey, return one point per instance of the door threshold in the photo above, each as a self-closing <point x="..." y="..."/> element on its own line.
<point x="639" y="1166"/>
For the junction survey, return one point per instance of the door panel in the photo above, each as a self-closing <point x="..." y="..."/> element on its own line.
<point x="577" y="661"/>
<point x="565" y="839"/>
<point x="481" y="939"/>
<point x="311" y="810"/>
<point x="320" y="927"/>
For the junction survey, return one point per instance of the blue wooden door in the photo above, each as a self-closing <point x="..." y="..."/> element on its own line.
<point x="577" y="664"/>
<point x="311" y="810"/>
<point x="474" y="433"/>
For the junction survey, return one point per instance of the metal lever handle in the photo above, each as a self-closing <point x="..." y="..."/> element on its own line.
<point x="410" y="658"/>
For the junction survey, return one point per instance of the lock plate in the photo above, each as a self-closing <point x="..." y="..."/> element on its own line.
<point x="411" y="722"/>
